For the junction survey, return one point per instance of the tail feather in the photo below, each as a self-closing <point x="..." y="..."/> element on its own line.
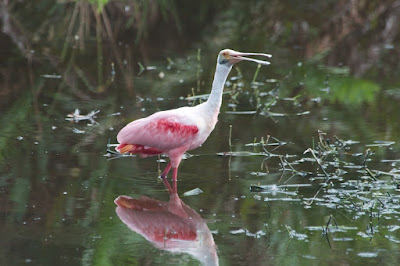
<point x="142" y="204"/>
<point x="125" y="148"/>
<point x="138" y="149"/>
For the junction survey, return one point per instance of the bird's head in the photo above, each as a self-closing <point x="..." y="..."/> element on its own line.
<point x="230" y="57"/>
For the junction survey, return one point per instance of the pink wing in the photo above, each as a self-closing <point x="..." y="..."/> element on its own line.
<point x="158" y="226"/>
<point x="151" y="219"/>
<point x="163" y="131"/>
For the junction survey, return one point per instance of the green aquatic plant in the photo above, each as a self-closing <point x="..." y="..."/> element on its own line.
<point x="99" y="4"/>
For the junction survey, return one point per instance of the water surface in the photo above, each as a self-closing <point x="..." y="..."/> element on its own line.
<point x="264" y="200"/>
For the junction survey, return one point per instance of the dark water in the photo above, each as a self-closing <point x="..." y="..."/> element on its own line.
<point x="264" y="200"/>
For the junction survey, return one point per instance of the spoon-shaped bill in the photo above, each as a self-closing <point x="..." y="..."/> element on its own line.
<point x="242" y="56"/>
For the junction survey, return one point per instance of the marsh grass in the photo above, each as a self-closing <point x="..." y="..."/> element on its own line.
<point x="363" y="193"/>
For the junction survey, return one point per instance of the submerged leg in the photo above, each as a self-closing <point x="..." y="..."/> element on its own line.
<point x="174" y="179"/>
<point x="164" y="178"/>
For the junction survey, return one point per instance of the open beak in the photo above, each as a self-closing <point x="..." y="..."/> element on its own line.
<point x="238" y="56"/>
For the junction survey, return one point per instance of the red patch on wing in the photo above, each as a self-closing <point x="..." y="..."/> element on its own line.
<point x="138" y="149"/>
<point x="161" y="236"/>
<point x="183" y="130"/>
<point x="176" y="232"/>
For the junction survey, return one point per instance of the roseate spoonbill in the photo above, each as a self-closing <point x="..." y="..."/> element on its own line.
<point x="173" y="132"/>
<point x="172" y="226"/>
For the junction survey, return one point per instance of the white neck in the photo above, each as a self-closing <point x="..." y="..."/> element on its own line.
<point x="215" y="99"/>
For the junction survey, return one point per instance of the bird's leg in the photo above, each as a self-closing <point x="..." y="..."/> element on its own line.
<point x="175" y="179"/>
<point x="167" y="185"/>
<point x="175" y="186"/>
<point x="164" y="178"/>
<point x="166" y="171"/>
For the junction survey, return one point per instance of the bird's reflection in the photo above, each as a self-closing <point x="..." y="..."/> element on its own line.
<point x="172" y="226"/>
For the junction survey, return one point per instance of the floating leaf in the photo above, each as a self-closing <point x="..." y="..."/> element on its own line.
<point x="193" y="192"/>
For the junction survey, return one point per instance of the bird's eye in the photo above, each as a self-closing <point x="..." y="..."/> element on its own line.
<point x="224" y="53"/>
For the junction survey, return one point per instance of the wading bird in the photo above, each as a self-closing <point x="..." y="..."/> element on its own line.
<point x="173" y="132"/>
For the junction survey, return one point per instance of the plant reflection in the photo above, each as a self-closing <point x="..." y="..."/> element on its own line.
<point x="171" y="226"/>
